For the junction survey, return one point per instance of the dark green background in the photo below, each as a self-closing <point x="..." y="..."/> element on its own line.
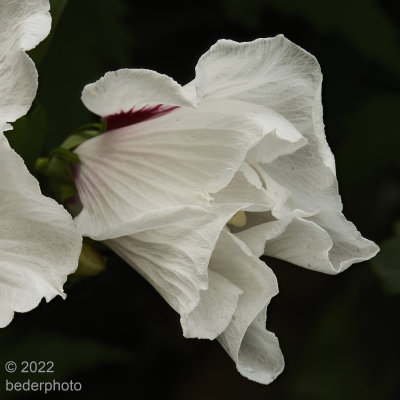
<point x="340" y="335"/>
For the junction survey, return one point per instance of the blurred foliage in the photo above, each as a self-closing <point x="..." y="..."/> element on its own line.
<point x="349" y="355"/>
<point x="362" y="23"/>
<point x="387" y="263"/>
<point x="372" y="126"/>
<point x="340" y="334"/>
<point x="369" y="159"/>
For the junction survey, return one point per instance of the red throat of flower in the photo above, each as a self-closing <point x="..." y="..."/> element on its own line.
<point x="134" y="116"/>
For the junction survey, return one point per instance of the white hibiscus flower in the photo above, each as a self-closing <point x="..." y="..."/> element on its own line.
<point x="39" y="244"/>
<point x="190" y="185"/>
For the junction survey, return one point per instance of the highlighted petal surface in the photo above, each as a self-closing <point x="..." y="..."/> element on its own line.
<point x="173" y="160"/>
<point x="277" y="74"/>
<point x="273" y="72"/>
<point x="39" y="245"/>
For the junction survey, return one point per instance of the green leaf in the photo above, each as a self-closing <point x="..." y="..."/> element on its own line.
<point x="387" y="263"/>
<point x="28" y="135"/>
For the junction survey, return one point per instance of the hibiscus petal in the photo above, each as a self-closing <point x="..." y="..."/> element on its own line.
<point x="273" y="72"/>
<point x="259" y="234"/>
<point x="255" y="350"/>
<point x="276" y="73"/>
<point x="326" y="242"/>
<point x="39" y="245"/>
<point x="251" y="175"/>
<point x="242" y="192"/>
<point x="120" y="91"/>
<point x="176" y="159"/>
<point x="285" y="139"/>
<point x="174" y="255"/>
<point x="214" y="312"/>
<point x="300" y="184"/>
<point x="349" y="246"/>
<point x="267" y="71"/>
<point x="301" y="181"/>
<point x="23" y="25"/>
<point x="303" y="243"/>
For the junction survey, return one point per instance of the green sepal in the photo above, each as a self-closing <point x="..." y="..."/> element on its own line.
<point x="78" y="138"/>
<point x="64" y="154"/>
<point x="84" y="133"/>
<point x="91" y="263"/>
<point x="42" y="165"/>
<point x="62" y="191"/>
<point x="56" y="168"/>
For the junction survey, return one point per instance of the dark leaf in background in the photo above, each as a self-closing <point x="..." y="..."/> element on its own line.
<point x="90" y="39"/>
<point x="28" y="135"/>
